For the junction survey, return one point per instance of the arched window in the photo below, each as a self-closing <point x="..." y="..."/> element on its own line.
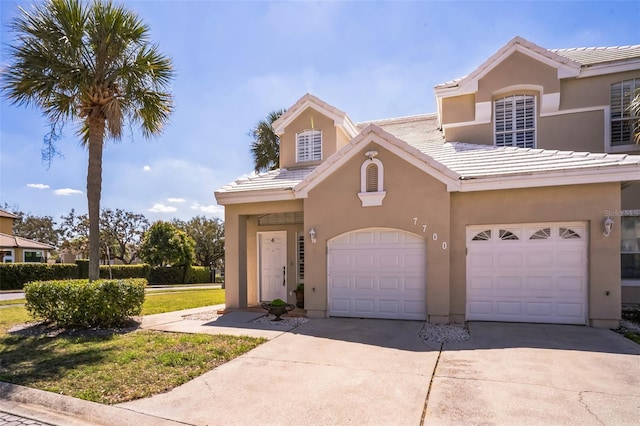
<point x="372" y="181"/>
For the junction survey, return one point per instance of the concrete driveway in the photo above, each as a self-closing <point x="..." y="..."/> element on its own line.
<point x="353" y="371"/>
<point x="537" y="374"/>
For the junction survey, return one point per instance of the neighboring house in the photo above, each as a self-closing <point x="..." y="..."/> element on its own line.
<point x="491" y="209"/>
<point x="14" y="249"/>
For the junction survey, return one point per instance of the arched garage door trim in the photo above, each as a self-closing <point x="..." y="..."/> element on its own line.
<point x="377" y="273"/>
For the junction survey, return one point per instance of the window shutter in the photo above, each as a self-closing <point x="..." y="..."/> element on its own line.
<point x="372" y="178"/>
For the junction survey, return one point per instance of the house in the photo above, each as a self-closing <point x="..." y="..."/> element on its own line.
<point x="14" y="249"/>
<point x="519" y="200"/>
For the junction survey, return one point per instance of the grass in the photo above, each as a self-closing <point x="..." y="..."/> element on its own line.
<point x="116" y="367"/>
<point x="633" y="336"/>
<point x="13" y="302"/>
<point x="178" y="300"/>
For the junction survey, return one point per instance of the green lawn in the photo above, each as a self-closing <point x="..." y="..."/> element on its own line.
<point x="115" y="367"/>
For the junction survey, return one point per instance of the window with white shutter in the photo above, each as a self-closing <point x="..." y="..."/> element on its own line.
<point x="623" y="121"/>
<point x="515" y="121"/>
<point x="309" y="146"/>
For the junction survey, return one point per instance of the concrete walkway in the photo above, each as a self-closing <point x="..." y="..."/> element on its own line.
<point x="355" y="371"/>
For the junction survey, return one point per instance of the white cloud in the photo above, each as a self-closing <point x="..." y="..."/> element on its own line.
<point x="146" y="168"/>
<point x="161" y="208"/>
<point x="176" y="200"/>
<point x="210" y="209"/>
<point x="38" y="185"/>
<point x="67" y="191"/>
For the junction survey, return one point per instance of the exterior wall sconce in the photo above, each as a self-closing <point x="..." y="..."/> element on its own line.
<point x="608" y="227"/>
<point x="312" y="234"/>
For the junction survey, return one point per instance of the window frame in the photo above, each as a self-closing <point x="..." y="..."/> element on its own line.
<point x="619" y="113"/>
<point x="310" y="152"/>
<point x="628" y="248"/>
<point x="42" y="255"/>
<point x="12" y="256"/>
<point x="513" y="129"/>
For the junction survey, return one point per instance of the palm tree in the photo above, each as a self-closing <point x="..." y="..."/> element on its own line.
<point x="634" y="107"/>
<point x="91" y="64"/>
<point x="266" y="144"/>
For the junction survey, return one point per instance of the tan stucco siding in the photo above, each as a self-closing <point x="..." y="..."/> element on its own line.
<point x="586" y="203"/>
<point x="6" y="225"/>
<point x="517" y="70"/>
<point x="631" y="196"/>
<point x="333" y="208"/>
<point x="481" y="134"/>
<point x="591" y="91"/>
<point x="458" y="109"/>
<point x="240" y="248"/>
<point x="308" y="119"/>
<point x="572" y="132"/>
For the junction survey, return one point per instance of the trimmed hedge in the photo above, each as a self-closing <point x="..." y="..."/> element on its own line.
<point x="13" y="276"/>
<point x="140" y="270"/>
<point x="176" y="275"/>
<point x="79" y="303"/>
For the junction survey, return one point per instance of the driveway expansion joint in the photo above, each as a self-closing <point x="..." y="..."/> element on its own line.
<point x="433" y="375"/>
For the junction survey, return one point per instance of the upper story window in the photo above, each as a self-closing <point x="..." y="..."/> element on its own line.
<point x="622" y="118"/>
<point x="309" y="146"/>
<point x="515" y="121"/>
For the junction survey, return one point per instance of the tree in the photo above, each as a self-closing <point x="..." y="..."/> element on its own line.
<point x="38" y="228"/>
<point x="208" y="235"/>
<point x="634" y="107"/>
<point x="120" y="231"/>
<point x="265" y="148"/>
<point x="88" y="63"/>
<point x="165" y="245"/>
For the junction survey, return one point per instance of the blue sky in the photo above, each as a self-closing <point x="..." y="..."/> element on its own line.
<point x="236" y="61"/>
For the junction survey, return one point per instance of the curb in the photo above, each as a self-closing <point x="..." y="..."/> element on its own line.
<point x="28" y="401"/>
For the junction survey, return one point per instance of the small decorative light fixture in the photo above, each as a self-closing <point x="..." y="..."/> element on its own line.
<point x="371" y="154"/>
<point x="312" y="234"/>
<point x="608" y="227"/>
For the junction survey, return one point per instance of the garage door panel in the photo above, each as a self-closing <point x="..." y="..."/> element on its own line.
<point x="542" y="278"/>
<point x="386" y="272"/>
<point x="509" y="259"/>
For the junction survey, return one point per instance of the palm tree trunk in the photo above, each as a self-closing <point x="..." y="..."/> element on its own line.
<point x="94" y="189"/>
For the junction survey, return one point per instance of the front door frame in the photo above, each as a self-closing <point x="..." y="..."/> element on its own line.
<point x="262" y="236"/>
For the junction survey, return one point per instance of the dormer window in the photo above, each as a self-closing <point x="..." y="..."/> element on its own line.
<point x="309" y="146"/>
<point x="372" y="181"/>
<point x="622" y="118"/>
<point x="515" y="121"/>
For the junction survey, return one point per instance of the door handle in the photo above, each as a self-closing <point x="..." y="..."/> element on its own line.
<point x="284" y="276"/>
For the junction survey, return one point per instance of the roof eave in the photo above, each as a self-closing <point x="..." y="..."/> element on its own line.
<point x="555" y="178"/>
<point x="254" y="196"/>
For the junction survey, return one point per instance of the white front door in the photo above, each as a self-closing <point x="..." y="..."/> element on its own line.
<point x="272" y="265"/>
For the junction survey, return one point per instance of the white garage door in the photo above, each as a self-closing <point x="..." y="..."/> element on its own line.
<point x="377" y="273"/>
<point x="527" y="273"/>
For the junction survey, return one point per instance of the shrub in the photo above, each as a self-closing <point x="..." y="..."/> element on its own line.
<point x="177" y="275"/>
<point x="13" y="276"/>
<point x="126" y="271"/>
<point x="199" y="274"/>
<point x="79" y="303"/>
<point x="83" y="268"/>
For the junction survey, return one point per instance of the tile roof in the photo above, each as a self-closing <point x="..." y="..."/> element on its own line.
<point x="596" y="55"/>
<point x="472" y="161"/>
<point x="468" y="161"/>
<point x="273" y="180"/>
<point x="4" y="213"/>
<point x="11" y="241"/>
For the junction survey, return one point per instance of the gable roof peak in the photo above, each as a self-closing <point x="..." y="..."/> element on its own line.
<point x="339" y="117"/>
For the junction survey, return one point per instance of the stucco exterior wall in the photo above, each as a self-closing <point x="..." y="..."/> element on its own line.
<point x="6" y="225"/>
<point x="631" y="196"/>
<point x="305" y="121"/>
<point x="565" y="203"/>
<point x="591" y="91"/>
<point x="458" y="109"/>
<point x="580" y="132"/>
<point x="333" y="208"/>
